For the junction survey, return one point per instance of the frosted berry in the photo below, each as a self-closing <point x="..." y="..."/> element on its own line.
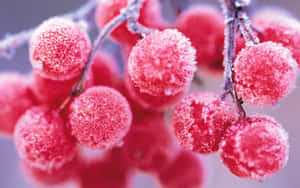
<point x="150" y="102"/>
<point x="199" y="121"/>
<point x="105" y="70"/>
<point x="54" y="92"/>
<point x="59" y="49"/>
<point x="186" y="171"/>
<point x="149" y="145"/>
<point x="162" y="64"/>
<point x="209" y="40"/>
<point x="264" y="73"/>
<point x="150" y="16"/>
<point x="105" y="172"/>
<point x="16" y="97"/>
<point x="255" y="148"/>
<point x="279" y="27"/>
<point x="58" y="176"/>
<point x="41" y="141"/>
<point x="99" y="118"/>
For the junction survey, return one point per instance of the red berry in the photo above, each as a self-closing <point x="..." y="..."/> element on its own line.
<point x="264" y="73"/>
<point x="186" y="171"/>
<point x="150" y="16"/>
<point x="105" y="70"/>
<point x="199" y="121"/>
<point x="54" y="92"/>
<point x="105" y="172"/>
<point x="255" y="148"/>
<point x="16" y="97"/>
<point x="208" y="42"/>
<point x="149" y="145"/>
<point x="99" y="118"/>
<point x="162" y="64"/>
<point x="41" y="141"/>
<point x="59" y="49"/>
<point x="41" y="177"/>
<point x="281" y="28"/>
<point x="150" y="102"/>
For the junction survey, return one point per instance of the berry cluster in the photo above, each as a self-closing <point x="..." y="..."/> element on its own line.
<point x="77" y="98"/>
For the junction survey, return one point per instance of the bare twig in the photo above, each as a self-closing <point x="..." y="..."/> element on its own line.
<point x="12" y="41"/>
<point x="233" y="9"/>
<point x="132" y="8"/>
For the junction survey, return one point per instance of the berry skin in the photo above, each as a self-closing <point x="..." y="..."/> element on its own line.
<point x="208" y="42"/>
<point x="58" y="176"/>
<point x="150" y="16"/>
<point x="162" y="64"/>
<point x="281" y="28"/>
<point x="264" y="73"/>
<point x="54" y="92"/>
<point x="149" y="145"/>
<point x="16" y="97"/>
<point x="199" y="121"/>
<point x="99" y="118"/>
<point x="105" y="70"/>
<point x="186" y="171"/>
<point x="255" y="148"/>
<point x="41" y="141"/>
<point x="59" y="49"/>
<point x="107" y="171"/>
<point x="148" y="102"/>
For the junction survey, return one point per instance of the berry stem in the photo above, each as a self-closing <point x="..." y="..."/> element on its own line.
<point x="12" y="41"/>
<point x="128" y="13"/>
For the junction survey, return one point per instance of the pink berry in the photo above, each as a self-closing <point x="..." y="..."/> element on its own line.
<point x="162" y="64"/>
<point x="150" y="16"/>
<point x="199" y="122"/>
<point x="59" y="49"/>
<point x="208" y="42"/>
<point x="41" y="141"/>
<point x="149" y="145"/>
<point x="149" y="102"/>
<point x="105" y="70"/>
<point x="264" y="73"/>
<point x="16" y="97"/>
<point x="54" y="92"/>
<point x="58" y="176"/>
<point x="255" y="148"/>
<point x="186" y="171"/>
<point x="99" y="118"/>
<point x="279" y="27"/>
<point x="105" y="172"/>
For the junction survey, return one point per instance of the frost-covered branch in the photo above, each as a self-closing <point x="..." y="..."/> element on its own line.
<point x="236" y="18"/>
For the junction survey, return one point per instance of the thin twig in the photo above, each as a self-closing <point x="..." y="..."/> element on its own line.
<point x="13" y="41"/>
<point x="132" y="22"/>
<point x="246" y="30"/>
<point x="133" y="7"/>
<point x="232" y="23"/>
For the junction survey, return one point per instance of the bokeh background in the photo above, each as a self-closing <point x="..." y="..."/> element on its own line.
<point x="16" y="15"/>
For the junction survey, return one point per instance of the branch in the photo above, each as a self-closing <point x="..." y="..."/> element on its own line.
<point x="129" y="12"/>
<point x="13" y="41"/>
<point x="132" y="21"/>
<point x="235" y="18"/>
